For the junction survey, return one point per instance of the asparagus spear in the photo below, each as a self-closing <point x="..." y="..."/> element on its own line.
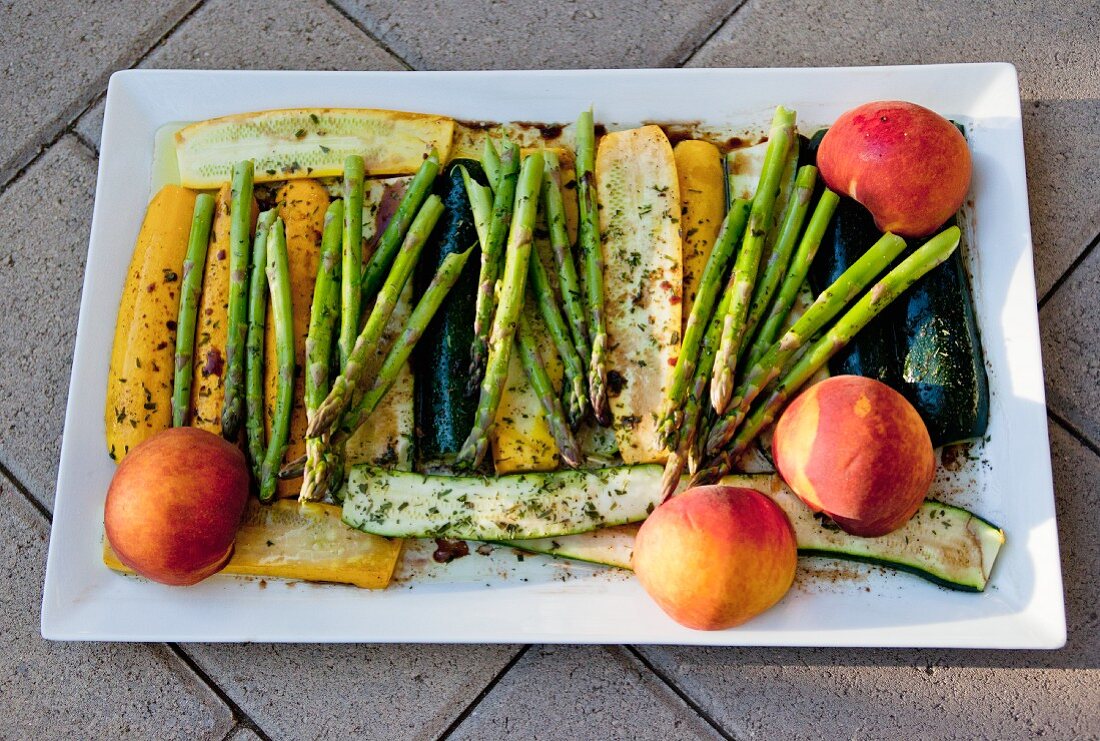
<point x="254" y="347"/>
<point x="430" y="301"/>
<point x="351" y="273"/>
<point x="795" y="276"/>
<point x="576" y="387"/>
<point x="282" y="312"/>
<point x="346" y="385"/>
<point x="323" y="315"/>
<point x="504" y="199"/>
<point x="572" y="297"/>
<point x="694" y="408"/>
<point x="748" y="259"/>
<point x="830" y="303"/>
<point x="699" y="320"/>
<point x="542" y="385"/>
<point x="893" y="284"/>
<point x="189" y="298"/>
<point x="588" y="237"/>
<point x="390" y="241"/>
<point x="779" y="259"/>
<point x="240" y="228"/>
<point x="481" y="204"/>
<point x="513" y="283"/>
<point x="490" y="163"/>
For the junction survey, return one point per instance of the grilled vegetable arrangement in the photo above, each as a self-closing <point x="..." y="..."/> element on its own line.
<point x="426" y="329"/>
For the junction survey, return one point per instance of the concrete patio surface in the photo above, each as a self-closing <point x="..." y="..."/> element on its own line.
<point x="56" y="59"/>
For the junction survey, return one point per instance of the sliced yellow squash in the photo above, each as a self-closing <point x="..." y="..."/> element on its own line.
<point x="702" y="208"/>
<point x="139" y="379"/>
<point x="309" y="143"/>
<point x="286" y="540"/>
<point x="639" y="199"/>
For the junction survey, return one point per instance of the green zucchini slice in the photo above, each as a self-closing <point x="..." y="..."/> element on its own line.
<point x="944" y="544"/>
<point x="527" y="505"/>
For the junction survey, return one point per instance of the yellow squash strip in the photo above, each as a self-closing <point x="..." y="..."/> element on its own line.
<point x="139" y="379"/>
<point x="211" y="326"/>
<point x="639" y="199"/>
<point x="287" y="541"/>
<point x="309" y="143"/>
<point x="386" y="438"/>
<point x="302" y="205"/>
<point x="702" y="208"/>
<point x="521" y="439"/>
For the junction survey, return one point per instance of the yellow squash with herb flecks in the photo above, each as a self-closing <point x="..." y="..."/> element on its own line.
<point x="139" y="379"/>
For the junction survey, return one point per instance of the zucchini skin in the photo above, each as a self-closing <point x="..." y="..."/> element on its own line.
<point x="942" y="368"/>
<point x="444" y="411"/>
<point x="926" y="345"/>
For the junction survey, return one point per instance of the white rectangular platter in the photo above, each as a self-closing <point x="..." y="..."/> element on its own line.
<point x="501" y="597"/>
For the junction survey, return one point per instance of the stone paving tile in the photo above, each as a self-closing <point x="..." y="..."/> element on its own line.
<point x="342" y="691"/>
<point x="1057" y="63"/>
<point x="835" y="693"/>
<point x="309" y="34"/>
<point x="84" y="690"/>
<point x="57" y="55"/>
<point x="45" y="217"/>
<point x="571" y="692"/>
<point x="1070" y="322"/>
<point x="242" y="733"/>
<point x="531" y="34"/>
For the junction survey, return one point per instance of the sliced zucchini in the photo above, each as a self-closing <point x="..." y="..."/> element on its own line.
<point x="309" y="142"/>
<point x="639" y="203"/>
<point x="609" y="546"/>
<point x="944" y="544"/>
<point x="743" y="168"/>
<point x="526" y="505"/>
<point x="286" y="540"/>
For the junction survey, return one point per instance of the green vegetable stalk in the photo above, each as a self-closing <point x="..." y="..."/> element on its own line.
<point x="282" y="311"/>
<point x="254" y="347"/>
<point x="240" y="232"/>
<point x="189" y="305"/>
<point x="588" y="237"/>
<point x="351" y="272"/>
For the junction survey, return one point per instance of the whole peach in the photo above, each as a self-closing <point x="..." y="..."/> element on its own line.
<point x="175" y="503"/>
<point x="908" y="165"/>
<point x="716" y="556"/>
<point x="857" y="450"/>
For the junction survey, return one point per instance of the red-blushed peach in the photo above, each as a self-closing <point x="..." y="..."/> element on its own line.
<point x="716" y="556"/>
<point x="854" y="448"/>
<point x="175" y="503"/>
<point x="909" y="166"/>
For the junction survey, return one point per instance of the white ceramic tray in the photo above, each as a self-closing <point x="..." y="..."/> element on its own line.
<point x="500" y="598"/>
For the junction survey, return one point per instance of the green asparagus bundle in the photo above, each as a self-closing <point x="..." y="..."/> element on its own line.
<point x="347" y="384"/>
<point x="540" y="382"/>
<point x="430" y="301"/>
<point x="588" y="238"/>
<point x="576" y="389"/>
<point x="827" y="305"/>
<point x="513" y="284"/>
<point x="745" y="268"/>
<point x="504" y="200"/>
<point x="795" y="277"/>
<point x="254" y="346"/>
<point x="700" y="318"/>
<point x="282" y="312"/>
<point x="189" y="304"/>
<point x="926" y="257"/>
<point x="324" y="312"/>
<point x="240" y="232"/>
<point x="351" y="271"/>
<point x="379" y="266"/>
<point x="779" y="258"/>
<point x="571" y="293"/>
